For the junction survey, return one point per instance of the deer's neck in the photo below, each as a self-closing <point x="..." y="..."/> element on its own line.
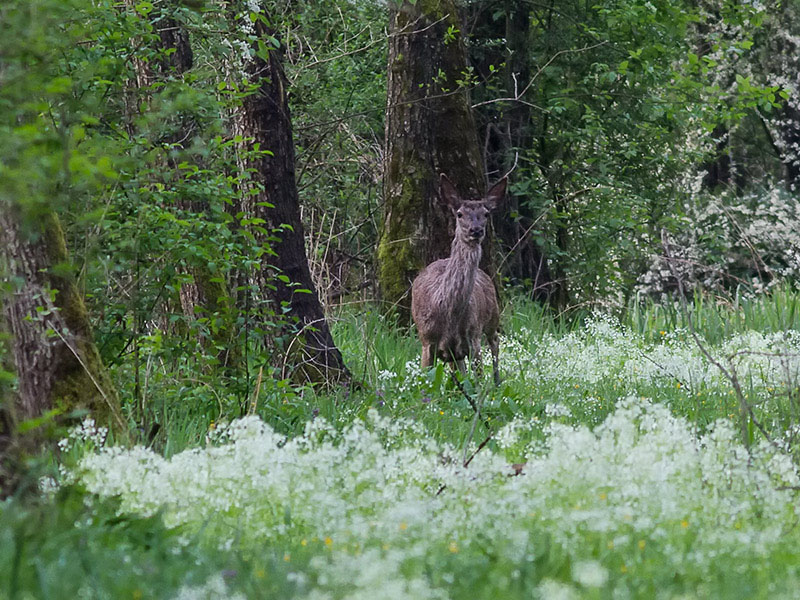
<point x="460" y="275"/>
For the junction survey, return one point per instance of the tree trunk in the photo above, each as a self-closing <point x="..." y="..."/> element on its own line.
<point x="264" y="122"/>
<point x="429" y="130"/>
<point x="718" y="167"/>
<point x="790" y="143"/>
<point x="51" y="347"/>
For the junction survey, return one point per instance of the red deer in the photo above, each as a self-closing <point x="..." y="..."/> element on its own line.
<point x="453" y="302"/>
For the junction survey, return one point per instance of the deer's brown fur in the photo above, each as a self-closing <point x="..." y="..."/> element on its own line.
<point x="453" y="302"/>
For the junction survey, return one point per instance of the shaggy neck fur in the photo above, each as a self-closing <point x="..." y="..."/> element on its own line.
<point x="459" y="278"/>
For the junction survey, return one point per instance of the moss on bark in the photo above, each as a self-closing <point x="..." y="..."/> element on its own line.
<point x="54" y="355"/>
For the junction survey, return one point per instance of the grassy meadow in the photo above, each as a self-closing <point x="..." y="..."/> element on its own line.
<point x="616" y="460"/>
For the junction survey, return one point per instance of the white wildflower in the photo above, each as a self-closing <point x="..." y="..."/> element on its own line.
<point x="213" y="589"/>
<point x="589" y="573"/>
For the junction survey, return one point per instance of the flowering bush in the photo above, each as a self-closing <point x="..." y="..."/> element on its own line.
<point x="731" y="241"/>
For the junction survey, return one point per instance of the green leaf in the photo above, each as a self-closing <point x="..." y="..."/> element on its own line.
<point x="37" y="422"/>
<point x="144" y="8"/>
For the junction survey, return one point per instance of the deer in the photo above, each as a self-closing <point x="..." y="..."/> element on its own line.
<point x="453" y="302"/>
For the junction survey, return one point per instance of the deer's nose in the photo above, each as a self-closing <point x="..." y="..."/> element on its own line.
<point x="476" y="231"/>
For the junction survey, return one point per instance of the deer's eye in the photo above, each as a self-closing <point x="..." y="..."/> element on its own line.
<point x="459" y="214"/>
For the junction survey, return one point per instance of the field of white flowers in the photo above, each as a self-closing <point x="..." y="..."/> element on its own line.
<point x="606" y="479"/>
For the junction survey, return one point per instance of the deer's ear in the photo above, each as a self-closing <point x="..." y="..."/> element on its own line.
<point x="496" y="194"/>
<point x="448" y="194"/>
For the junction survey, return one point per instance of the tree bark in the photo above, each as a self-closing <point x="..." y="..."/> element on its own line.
<point x="51" y="347"/>
<point x="718" y="167"/>
<point x="429" y="130"/>
<point x="790" y="143"/>
<point x="264" y="122"/>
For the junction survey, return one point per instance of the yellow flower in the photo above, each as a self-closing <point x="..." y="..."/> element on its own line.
<point x="641" y="544"/>
<point x="684" y="523"/>
<point x="328" y="542"/>
<point x="303" y="542"/>
<point x="286" y="557"/>
<point x="453" y="547"/>
<point x="403" y="526"/>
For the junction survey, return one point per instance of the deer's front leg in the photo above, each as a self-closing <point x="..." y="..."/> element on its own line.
<point x="477" y="363"/>
<point x="461" y="366"/>
<point x="494" y="346"/>
<point x="427" y="355"/>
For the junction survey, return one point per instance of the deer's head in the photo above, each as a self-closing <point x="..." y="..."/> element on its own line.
<point x="471" y="215"/>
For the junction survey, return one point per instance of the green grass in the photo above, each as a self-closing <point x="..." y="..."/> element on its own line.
<point x="718" y="318"/>
<point x="74" y="544"/>
<point x="70" y="547"/>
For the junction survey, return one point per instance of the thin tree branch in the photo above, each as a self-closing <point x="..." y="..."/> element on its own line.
<point x="518" y="95"/>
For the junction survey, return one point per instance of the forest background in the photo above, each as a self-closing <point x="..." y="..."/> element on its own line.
<point x="194" y="193"/>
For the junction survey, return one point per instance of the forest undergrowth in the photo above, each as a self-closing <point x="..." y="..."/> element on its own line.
<point x="615" y="460"/>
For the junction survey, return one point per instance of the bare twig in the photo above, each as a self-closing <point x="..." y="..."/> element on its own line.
<point x="254" y="401"/>
<point x="477" y="408"/>
<point x="480" y="447"/>
<point x="472" y="428"/>
<point x="517" y="97"/>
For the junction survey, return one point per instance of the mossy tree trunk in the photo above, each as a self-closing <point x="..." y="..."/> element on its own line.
<point x="51" y="349"/>
<point x="429" y="130"/>
<point x="263" y="121"/>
